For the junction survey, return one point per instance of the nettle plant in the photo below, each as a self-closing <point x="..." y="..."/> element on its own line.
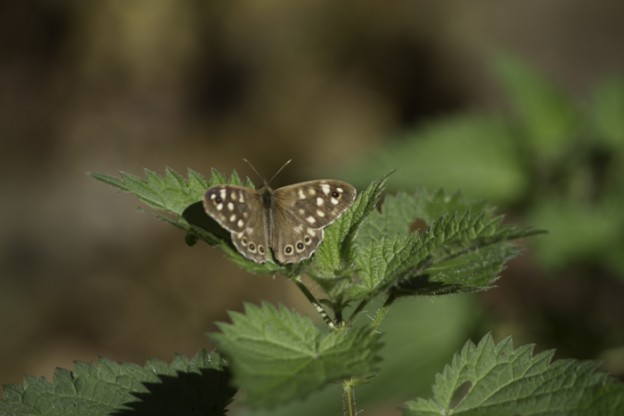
<point x="426" y="243"/>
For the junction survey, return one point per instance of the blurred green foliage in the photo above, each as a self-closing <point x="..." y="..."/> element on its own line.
<point x="552" y="159"/>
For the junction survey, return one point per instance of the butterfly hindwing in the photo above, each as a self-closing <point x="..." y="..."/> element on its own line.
<point x="294" y="240"/>
<point x="239" y="210"/>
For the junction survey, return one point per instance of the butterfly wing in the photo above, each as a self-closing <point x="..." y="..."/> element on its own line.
<point x="292" y="239"/>
<point x="301" y="211"/>
<point x="317" y="203"/>
<point x="239" y="210"/>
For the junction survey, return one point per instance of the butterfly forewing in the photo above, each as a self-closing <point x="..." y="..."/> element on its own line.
<point x="239" y="210"/>
<point x="316" y="203"/>
<point x="300" y="213"/>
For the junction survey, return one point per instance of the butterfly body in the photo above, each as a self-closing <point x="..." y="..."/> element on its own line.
<point x="287" y="221"/>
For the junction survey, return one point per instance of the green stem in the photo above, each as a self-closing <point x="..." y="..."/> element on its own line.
<point x="357" y="310"/>
<point x="381" y="313"/>
<point x="348" y="398"/>
<point x="317" y="305"/>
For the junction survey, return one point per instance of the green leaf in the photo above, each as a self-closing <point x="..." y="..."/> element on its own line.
<point x="465" y="252"/>
<point x="171" y="192"/>
<point x="431" y="243"/>
<point x="404" y="213"/>
<point x="429" y="330"/>
<point x="549" y="117"/>
<point x="180" y="198"/>
<point x="185" y="387"/>
<point x="277" y="355"/>
<point x="496" y="379"/>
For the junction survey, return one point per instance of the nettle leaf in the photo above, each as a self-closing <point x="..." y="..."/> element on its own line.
<point x="180" y="200"/>
<point x="404" y="212"/>
<point x="496" y="379"/>
<point x="171" y="192"/>
<point x="194" y="386"/>
<point x="277" y="355"/>
<point x="461" y="252"/>
<point x="431" y="243"/>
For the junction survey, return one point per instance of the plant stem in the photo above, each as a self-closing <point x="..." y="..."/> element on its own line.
<point x="348" y="398"/>
<point x="357" y="310"/>
<point x="317" y="305"/>
<point x="381" y="313"/>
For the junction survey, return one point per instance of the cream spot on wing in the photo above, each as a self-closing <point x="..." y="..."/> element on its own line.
<point x="319" y="201"/>
<point x="240" y="223"/>
<point x="234" y="196"/>
<point x="325" y="188"/>
<point x="301" y="211"/>
<point x="230" y="206"/>
<point x="213" y="196"/>
<point x="232" y="218"/>
<point x="241" y="197"/>
<point x="298" y="229"/>
<point x="334" y="201"/>
<point x="219" y="207"/>
<point x="311" y="191"/>
<point x="320" y="213"/>
<point x="340" y="190"/>
<point x="248" y="230"/>
<point x="311" y="232"/>
<point x="310" y="220"/>
<point x="245" y="215"/>
<point x="222" y="193"/>
<point x="301" y="194"/>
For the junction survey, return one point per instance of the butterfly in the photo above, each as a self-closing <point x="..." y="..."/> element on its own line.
<point x="286" y="223"/>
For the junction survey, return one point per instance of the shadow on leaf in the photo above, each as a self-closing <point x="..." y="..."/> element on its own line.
<point x="423" y="285"/>
<point x="186" y="393"/>
<point x="195" y="215"/>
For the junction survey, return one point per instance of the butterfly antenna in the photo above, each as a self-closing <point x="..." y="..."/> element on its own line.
<point x="264" y="181"/>
<point x="280" y="169"/>
<point x="256" y="172"/>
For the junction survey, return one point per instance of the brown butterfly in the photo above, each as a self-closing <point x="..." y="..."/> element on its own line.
<point x="288" y="221"/>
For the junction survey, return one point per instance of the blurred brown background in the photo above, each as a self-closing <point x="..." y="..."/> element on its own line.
<point x="122" y="85"/>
